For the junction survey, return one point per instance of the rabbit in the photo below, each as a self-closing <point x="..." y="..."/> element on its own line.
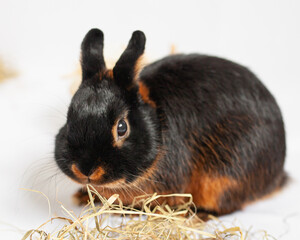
<point x="187" y="123"/>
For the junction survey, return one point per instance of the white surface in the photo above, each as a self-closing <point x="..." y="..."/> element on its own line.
<point x="41" y="39"/>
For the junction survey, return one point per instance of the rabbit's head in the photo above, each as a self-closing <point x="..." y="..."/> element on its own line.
<point x="111" y="136"/>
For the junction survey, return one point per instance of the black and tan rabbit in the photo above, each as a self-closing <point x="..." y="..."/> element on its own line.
<point x="186" y="124"/>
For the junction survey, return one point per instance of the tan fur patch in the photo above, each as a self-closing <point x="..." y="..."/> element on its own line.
<point x="144" y="92"/>
<point x="207" y="190"/>
<point x="97" y="174"/>
<point x="138" y="68"/>
<point x="109" y="73"/>
<point x="77" y="172"/>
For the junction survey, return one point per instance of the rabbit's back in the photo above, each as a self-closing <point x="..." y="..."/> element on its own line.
<point x="205" y="84"/>
<point x="220" y="126"/>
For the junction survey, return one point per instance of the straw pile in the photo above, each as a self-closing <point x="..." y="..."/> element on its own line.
<point x="160" y="222"/>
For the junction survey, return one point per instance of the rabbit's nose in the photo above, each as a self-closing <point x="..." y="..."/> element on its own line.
<point x="92" y="176"/>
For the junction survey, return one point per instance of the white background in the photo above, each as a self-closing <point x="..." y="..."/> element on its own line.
<point x="41" y="39"/>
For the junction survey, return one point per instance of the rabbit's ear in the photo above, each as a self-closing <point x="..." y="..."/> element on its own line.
<point x="124" y="70"/>
<point x="92" y="60"/>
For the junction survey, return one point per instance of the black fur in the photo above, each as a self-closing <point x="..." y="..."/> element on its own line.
<point x="87" y="140"/>
<point x="207" y="102"/>
<point x="212" y="117"/>
<point x="124" y="69"/>
<point x="92" y="60"/>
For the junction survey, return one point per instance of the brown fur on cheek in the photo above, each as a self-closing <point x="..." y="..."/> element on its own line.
<point x="141" y="186"/>
<point x="146" y="179"/>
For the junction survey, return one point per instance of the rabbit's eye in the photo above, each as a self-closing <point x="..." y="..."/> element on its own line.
<point x="122" y="128"/>
<point x="120" y="131"/>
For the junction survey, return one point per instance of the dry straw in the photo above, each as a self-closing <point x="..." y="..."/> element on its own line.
<point x="159" y="222"/>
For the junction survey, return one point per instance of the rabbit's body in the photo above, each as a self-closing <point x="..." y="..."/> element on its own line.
<point x="188" y="124"/>
<point x="221" y="128"/>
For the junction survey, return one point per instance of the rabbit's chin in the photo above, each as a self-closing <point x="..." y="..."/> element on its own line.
<point x="120" y="183"/>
